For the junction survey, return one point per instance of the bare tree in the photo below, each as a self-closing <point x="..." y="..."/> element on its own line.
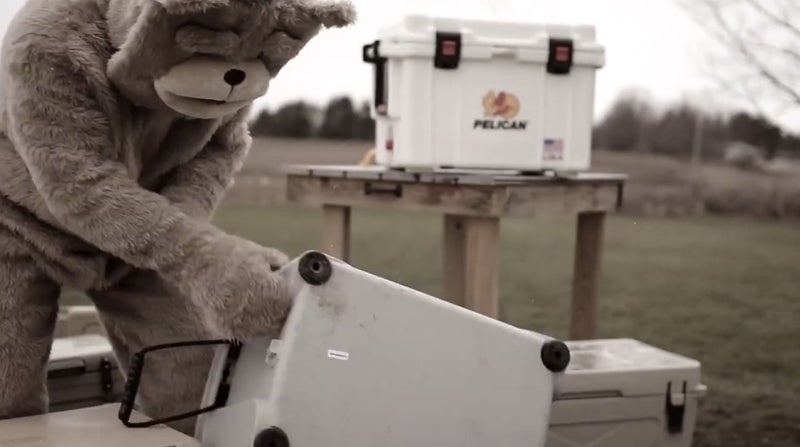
<point x="760" y="48"/>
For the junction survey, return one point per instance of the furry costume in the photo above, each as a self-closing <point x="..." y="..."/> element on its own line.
<point x="122" y="124"/>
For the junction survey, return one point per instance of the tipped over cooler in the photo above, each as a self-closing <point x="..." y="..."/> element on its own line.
<point x="480" y="94"/>
<point x="363" y="361"/>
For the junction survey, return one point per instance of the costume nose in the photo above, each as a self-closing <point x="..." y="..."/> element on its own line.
<point x="235" y="77"/>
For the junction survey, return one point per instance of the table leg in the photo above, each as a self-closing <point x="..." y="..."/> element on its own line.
<point x="471" y="263"/>
<point x="454" y="260"/>
<point x="336" y="231"/>
<point x="586" y="275"/>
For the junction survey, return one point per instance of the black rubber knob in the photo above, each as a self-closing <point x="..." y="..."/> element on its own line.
<point x="555" y="356"/>
<point x="315" y="268"/>
<point x="271" y="437"/>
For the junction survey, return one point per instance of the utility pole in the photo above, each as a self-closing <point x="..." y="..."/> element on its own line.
<point x="697" y="143"/>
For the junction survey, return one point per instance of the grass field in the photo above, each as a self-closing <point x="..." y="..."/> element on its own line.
<point x="726" y="292"/>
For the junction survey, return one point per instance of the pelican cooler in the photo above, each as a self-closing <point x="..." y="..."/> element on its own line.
<point x="87" y="427"/>
<point x="625" y="393"/>
<point x="82" y="372"/>
<point x="472" y="94"/>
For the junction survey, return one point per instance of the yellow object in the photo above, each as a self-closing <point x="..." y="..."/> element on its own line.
<point x="369" y="158"/>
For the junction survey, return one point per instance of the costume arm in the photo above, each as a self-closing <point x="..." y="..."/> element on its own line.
<point x="198" y="187"/>
<point x="58" y="118"/>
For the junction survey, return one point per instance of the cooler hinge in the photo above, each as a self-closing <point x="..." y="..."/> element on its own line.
<point x="560" y="60"/>
<point x="676" y="409"/>
<point x="448" y="50"/>
<point x="106" y="378"/>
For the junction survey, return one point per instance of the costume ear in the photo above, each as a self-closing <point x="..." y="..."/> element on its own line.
<point x="303" y="18"/>
<point x="298" y="21"/>
<point x="179" y="7"/>
<point x="331" y="15"/>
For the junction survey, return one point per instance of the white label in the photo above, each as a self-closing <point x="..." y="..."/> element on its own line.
<point x="338" y="355"/>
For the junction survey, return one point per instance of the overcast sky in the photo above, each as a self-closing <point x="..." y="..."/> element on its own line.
<point x="649" y="43"/>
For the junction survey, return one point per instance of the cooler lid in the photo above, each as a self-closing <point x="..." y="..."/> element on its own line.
<point x="625" y="367"/>
<point x="417" y="28"/>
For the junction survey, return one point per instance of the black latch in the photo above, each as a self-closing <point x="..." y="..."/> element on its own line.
<point x="675" y="412"/>
<point x="371" y="55"/>
<point x="560" y="59"/>
<point x="448" y="50"/>
<point x="106" y="378"/>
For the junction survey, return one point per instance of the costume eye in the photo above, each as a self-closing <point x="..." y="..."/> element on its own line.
<point x="197" y="38"/>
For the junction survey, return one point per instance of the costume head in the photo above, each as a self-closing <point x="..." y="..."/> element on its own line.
<point x="210" y="58"/>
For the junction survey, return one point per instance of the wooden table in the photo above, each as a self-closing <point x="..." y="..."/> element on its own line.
<point x="472" y="204"/>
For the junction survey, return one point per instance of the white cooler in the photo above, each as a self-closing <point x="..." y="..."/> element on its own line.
<point x="471" y="94"/>
<point x="624" y="393"/>
<point x="82" y="372"/>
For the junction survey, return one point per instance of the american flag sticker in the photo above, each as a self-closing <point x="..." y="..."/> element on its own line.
<point x="553" y="149"/>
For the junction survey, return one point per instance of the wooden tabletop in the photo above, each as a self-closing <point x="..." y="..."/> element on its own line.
<point x="451" y="176"/>
<point x="460" y="192"/>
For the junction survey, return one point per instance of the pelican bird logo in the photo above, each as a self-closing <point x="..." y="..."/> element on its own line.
<point x="502" y="104"/>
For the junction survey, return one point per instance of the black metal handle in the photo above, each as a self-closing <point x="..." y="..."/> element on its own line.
<point x="396" y="191"/>
<point x="135" y="376"/>
<point x="371" y="54"/>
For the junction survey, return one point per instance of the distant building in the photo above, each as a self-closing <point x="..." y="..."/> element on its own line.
<point x="744" y="155"/>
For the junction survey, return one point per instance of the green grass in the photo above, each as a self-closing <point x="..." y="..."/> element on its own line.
<point x="723" y="291"/>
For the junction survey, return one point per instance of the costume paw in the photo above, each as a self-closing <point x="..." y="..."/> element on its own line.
<point x="242" y="294"/>
<point x="273" y="257"/>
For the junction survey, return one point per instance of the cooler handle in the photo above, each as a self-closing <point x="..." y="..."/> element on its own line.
<point x="371" y="55"/>
<point x="136" y="368"/>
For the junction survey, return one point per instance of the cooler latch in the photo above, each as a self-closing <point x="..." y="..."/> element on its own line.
<point x="676" y="408"/>
<point x="448" y="50"/>
<point x="106" y="378"/>
<point x="560" y="59"/>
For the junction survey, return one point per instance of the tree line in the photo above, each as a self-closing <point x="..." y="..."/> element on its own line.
<point x="339" y="119"/>
<point x="632" y="123"/>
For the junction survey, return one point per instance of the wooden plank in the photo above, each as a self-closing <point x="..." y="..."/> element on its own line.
<point x="464" y="200"/>
<point x="470" y="263"/>
<point x="454" y="267"/>
<point x="336" y="231"/>
<point x="481" y="282"/>
<point x="560" y="200"/>
<point x="586" y="279"/>
<point x="476" y="201"/>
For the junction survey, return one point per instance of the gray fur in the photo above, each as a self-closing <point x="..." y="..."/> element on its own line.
<point x="103" y="185"/>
